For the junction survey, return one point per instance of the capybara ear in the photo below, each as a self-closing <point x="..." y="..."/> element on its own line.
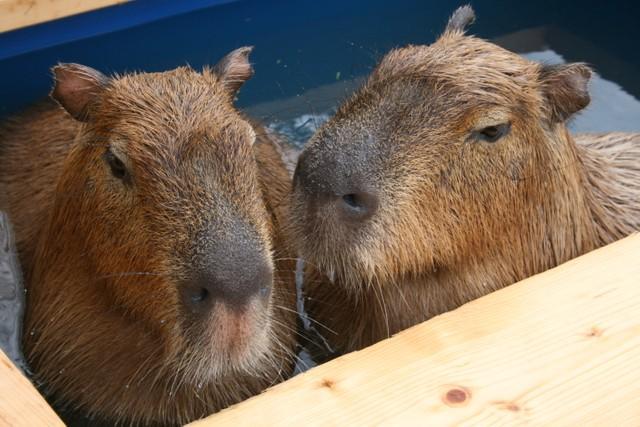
<point x="566" y="88"/>
<point x="461" y="19"/>
<point x="234" y="69"/>
<point x="76" y="88"/>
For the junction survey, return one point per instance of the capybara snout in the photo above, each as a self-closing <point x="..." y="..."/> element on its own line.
<point x="146" y="224"/>
<point x="231" y="270"/>
<point x="335" y="189"/>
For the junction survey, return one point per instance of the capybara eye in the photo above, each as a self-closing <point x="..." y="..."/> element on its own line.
<point x="493" y="133"/>
<point x="118" y="168"/>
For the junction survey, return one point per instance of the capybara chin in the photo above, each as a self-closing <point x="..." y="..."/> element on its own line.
<point x="146" y="215"/>
<point x="448" y="175"/>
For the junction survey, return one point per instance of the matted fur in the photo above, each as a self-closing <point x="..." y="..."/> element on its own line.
<point x="458" y="217"/>
<point x="105" y="330"/>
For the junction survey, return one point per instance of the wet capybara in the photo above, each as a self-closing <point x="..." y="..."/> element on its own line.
<point x="448" y="175"/>
<point x="146" y="215"/>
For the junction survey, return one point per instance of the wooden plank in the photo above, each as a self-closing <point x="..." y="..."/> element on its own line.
<point x="16" y="14"/>
<point x="20" y="402"/>
<point x="561" y="348"/>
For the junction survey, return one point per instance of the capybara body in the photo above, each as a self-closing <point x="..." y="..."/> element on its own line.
<point x="448" y="175"/>
<point x="159" y="290"/>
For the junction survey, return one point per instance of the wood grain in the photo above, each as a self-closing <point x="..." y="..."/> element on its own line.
<point x="16" y="14"/>
<point x="561" y="348"/>
<point x="20" y="402"/>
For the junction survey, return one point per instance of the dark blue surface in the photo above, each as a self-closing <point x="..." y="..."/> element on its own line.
<point x="299" y="44"/>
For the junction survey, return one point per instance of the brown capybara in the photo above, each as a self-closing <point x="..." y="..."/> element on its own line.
<point x="448" y="175"/>
<point x="146" y="218"/>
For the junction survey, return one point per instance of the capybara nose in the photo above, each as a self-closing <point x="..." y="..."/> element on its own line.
<point x="231" y="274"/>
<point x="327" y="189"/>
<point x="231" y="287"/>
<point x="357" y="206"/>
<point x="352" y="207"/>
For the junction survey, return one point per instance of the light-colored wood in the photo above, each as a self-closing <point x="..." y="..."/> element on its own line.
<point x="20" y="402"/>
<point x="561" y="348"/>
<point x="16" y="14"/>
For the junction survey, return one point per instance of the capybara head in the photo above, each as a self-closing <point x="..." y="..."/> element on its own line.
<point x="434" y="159"/>
<point x="156" y="267"/>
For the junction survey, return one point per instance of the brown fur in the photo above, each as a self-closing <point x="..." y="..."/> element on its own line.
<point x="458" y="217"/>
<point x="105" y="329"/>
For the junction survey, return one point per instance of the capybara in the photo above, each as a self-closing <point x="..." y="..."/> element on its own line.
<point x="448" y="175"/>
<point x="146" y="214"/>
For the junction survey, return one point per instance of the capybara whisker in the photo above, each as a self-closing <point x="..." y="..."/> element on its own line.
<point x="130" y="273"/>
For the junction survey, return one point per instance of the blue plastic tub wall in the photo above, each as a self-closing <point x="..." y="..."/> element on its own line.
<point x="299" y="44"/>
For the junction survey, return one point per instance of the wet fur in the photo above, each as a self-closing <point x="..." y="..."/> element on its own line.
<point x="459" y="219"/>
<point x="104" y="330"/>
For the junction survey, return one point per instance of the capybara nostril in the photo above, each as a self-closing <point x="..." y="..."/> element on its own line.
<point x="200" y="295"/>
<point x="358" y="206"/>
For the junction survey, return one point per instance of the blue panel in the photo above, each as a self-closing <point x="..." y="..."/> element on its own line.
<point x="299" y="44"/>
